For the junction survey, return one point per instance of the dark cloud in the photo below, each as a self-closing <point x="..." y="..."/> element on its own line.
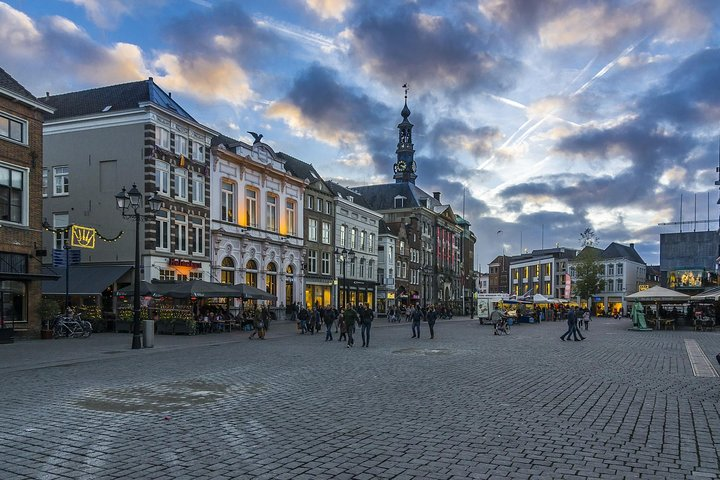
<point x="406" y="46"/>
<point x="689" y="94"/>
<point x="195" y="33"/>
<point x="449" y="135"/>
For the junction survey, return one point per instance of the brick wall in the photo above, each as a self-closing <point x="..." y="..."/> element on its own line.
<point x="26" y="239"/>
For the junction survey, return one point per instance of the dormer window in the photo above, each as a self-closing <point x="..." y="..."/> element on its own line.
<point x="400" y="201"/>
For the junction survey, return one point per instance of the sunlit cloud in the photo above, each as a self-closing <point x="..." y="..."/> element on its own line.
<point x="301" y="126"/>
<point x="106" y="13"/>
<point x="327" y="9"/>
<point x="17" y="30"/>
<point x="208" y="80"/>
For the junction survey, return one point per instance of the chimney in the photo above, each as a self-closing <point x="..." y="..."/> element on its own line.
<point x="47" y="94"/>
<point x="170" y="94"/>
<point x="150" y="79"/>
<point x="436" y="195"/>
<point x="632" y="245"/>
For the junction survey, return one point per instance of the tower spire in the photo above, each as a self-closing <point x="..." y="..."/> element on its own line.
<point x="405" y="167"/>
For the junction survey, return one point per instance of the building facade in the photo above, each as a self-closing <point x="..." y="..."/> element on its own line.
<point x="623" y="272"/>
<point x="688" y="260"/>
<point x="101" y="140"/>
<point x="256" y="220"/>
<point x="498" y="275"/>
<point x="387" y="248"/>
<point x="356" y="230"/>
<point x="541" y="271"/>
<point x="21" y="185"/>
<point x="319" y="232"/>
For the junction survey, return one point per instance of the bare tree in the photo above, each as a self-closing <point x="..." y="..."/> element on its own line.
<point x="588" y="238"/>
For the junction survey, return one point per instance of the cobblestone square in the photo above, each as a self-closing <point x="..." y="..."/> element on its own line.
<point x="464" y="405"/>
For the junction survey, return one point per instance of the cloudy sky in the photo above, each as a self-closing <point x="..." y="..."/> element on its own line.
<point x="553" y="116"/>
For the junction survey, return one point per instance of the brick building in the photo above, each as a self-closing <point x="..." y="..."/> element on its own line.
<point x="21" y="183"/>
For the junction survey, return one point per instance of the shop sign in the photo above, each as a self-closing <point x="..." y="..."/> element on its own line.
<point x="391" y="295"/>
<point x="642" y="288"/>
<point x="83" y="237"/>
<point x="178" y="262"/>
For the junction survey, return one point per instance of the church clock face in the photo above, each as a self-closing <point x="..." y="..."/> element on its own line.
<point x="401" y="166"/>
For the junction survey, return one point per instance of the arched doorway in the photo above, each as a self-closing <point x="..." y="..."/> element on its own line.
<point x="251" y="273"/>
<point x="289" y="285"/>
<point x="227" y="271"/>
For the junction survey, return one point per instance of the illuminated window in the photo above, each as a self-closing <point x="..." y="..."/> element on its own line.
<point x="271" y="279"/>
<point x="251" y="217"/>
<point x="271" y="213"/>
<point x="227" y="212"/>
<point x="251" y="273"/>
<point x="290" y="217"/>
<point x="227" y="271"/>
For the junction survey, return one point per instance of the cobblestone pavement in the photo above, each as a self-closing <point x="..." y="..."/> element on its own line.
<point x="467" y="404"/>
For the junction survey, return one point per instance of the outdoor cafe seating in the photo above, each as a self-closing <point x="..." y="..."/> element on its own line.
<point x="704" y="324"/>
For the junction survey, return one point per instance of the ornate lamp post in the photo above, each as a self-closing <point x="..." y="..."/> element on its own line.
<point x="127" y="201"/>
<point x="343" y="256"/>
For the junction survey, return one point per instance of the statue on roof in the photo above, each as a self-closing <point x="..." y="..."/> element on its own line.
<point x="256" y="136"/>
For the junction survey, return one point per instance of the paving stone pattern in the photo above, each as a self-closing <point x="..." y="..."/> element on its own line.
<point x="465" y="405"/>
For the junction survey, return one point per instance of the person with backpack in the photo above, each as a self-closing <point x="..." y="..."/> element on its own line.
<point x="416" y="317"/>
<point x="366" y="318"/>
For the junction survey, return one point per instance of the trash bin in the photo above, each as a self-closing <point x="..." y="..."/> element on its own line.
<point x="148" y="334"/>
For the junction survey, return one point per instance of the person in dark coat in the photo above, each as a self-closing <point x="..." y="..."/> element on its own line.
<point x="416" y="316"/>
<point x="351" y="318"/>
<point x="431" y="316"/>
<point x="366" y="319"/>
<point x="329" y="318"/>
<point x="572" y="326"/>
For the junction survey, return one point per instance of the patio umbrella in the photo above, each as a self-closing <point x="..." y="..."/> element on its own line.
<point x="248" y="292"/>
<point x="712" y="294"/>
<point x="198" y="289"/>
<point x="658" y="294"/>
<point x="540" y="298"/>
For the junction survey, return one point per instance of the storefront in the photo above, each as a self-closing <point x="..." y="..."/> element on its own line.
<point x="360" y="292"/>
<point x="318" y="293"/>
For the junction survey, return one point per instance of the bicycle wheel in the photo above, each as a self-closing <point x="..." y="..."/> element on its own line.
<point x="58" y="330"/>
<point x="87" y="328"/>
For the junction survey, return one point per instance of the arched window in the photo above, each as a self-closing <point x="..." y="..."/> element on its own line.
<point x="251" y="273"/>
<point x="227" y="271"/>
<point x="271" y="279"/>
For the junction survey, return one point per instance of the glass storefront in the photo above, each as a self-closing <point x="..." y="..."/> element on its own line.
<point x="13" y="305"/>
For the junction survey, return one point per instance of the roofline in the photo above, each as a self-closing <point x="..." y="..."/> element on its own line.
<point x="21" y="98"/>
<point x="178" y="117"/>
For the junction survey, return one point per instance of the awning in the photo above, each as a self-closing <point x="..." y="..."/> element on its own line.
<point x="27" y="276"/>
<point x="84" y="279"/>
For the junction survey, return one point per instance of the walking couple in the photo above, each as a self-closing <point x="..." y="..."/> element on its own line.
<point x="573" y="328"/>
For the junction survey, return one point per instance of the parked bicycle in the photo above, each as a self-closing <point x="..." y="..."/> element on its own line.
<point x="71" y="325"/>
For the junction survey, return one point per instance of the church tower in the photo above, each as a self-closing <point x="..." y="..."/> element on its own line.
<point x="405" y="166"/>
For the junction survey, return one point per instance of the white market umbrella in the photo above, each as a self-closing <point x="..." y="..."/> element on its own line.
<point x="658" y="294"/>
<point x="540" y="298"/>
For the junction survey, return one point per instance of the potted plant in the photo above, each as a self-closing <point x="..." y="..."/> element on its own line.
<point x="47" y="309"/>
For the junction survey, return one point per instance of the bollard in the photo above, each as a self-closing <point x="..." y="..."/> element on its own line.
<point x="148" y="334"/>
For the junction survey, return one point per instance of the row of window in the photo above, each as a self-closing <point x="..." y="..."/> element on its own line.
<point x="189" y="233"/>
<point x="313" y="231"/>
<point x="317" y="205"/>
<point x="614" y="286"/>
<point x="227" y="274"/>
<point x="272" y="221"/>
<point x="163" y="139"/>
<point x="357" y="240"/>
<point x="162" y="182"/>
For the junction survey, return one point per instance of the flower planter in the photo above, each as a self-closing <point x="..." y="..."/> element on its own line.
<point x="46" y="334"/>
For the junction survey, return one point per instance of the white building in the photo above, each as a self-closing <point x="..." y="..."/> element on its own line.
<point x="256" y="220"/>
<point x="356" y="230"/>
<point x="623" y="270"/>
<point x="387" y="247"/>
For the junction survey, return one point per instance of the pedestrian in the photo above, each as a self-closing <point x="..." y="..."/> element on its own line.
<point x="416" y="316"/>
<point x="351" y="318"/>
<point x="303" y="316"/>
<point x="586" y="318"/>
<point x="366" y="319"/>
<point x="572" y="326"/>
<point x="343" y="328"/>
<point x="329" y="317"/>
<point x="431" y="317"/>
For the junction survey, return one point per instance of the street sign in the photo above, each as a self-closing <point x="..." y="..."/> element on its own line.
<point x="58" y="257"/>
<point x="83" y="237"/>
